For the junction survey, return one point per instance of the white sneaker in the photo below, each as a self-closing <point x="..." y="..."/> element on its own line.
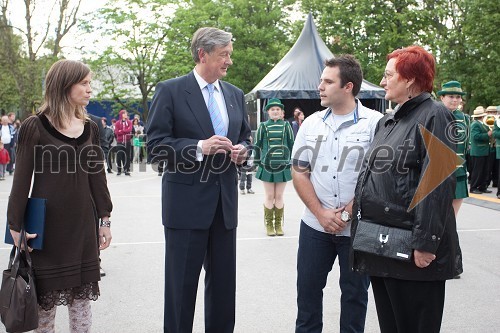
<point x="242" y="192"/>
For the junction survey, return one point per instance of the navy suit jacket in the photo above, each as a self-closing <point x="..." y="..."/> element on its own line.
<point x="191" y="190"/>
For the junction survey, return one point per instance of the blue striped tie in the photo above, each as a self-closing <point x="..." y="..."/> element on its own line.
<point x="215" y="115"/>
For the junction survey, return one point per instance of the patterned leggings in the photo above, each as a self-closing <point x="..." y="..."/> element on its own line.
<point x="80" y="318"/>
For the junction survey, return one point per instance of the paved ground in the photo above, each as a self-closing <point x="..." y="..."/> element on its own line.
<point x="132" y="292"/>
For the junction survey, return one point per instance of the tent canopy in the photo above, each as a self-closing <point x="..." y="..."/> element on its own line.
<point x="297" y="75"/>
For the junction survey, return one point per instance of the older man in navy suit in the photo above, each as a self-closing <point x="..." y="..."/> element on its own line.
<point x="198" y="126"/>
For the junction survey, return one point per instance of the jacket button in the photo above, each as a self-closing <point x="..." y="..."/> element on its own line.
<point x="434" y="237"/>
<point x="217" y="183"/>
<point x="386" y="209"/>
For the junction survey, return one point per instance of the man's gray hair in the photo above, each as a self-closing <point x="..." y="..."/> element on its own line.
<point x="207" y="39"/>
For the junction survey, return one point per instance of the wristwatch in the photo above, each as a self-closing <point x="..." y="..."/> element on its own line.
<point x="345" y="216"/>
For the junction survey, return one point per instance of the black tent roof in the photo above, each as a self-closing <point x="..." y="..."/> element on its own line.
<point x="297" y="75"/>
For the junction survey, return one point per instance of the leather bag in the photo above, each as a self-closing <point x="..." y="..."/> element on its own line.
<point x="18" y="301"/>
<point x="383" y="241"/>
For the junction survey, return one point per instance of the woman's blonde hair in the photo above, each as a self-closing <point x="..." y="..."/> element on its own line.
<point x="60" y="79"/>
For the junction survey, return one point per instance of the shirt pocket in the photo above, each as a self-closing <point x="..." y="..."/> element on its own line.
<point x="316" y="145"/>
<point x="356" y="146"/>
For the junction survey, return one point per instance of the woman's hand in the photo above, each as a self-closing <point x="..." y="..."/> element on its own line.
<point x="104" y="237"/>
<point x="16" y="235"/>
<point x="423" y="259"/>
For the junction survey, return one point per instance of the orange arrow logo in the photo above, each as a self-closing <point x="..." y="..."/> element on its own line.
<point x="443" y="162"/>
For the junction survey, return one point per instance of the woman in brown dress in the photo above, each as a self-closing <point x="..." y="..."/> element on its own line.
<point x="60" y="147"/>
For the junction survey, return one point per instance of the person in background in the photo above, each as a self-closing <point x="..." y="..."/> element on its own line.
<point x="15" y="123"/>
<point x="398" y="187"/>
<point x="109" y="137"/>
<point x="296" y="111"/>
<point x="198" y="126"/>
<point x="480" y="136"/>
<point x="8" y="137"/>
<point x="246" y="173"/>
<point x="137" y="146"/>
<point x="451" y="96"/>
<point x="496" y="135"/>
<point x="325" y="183"/>
<point x="299" y="118"/>
<point x="66" y="270"/>
<point x="273" y="146"/>
<point x="491" y="173"/>
<point x="123" y="134"/>
<point x="4" y="160"/>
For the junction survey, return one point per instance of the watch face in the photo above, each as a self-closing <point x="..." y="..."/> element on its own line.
<point x="345" y="216"/>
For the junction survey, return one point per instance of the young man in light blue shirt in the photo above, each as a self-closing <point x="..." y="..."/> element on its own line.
<point x="327" y="157"/>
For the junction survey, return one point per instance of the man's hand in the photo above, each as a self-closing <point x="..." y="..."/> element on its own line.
<point x="330" y="220"/>
<point x="216" y="144"/>
<point x="423" y="259"/>
<point x="239" y="154"/>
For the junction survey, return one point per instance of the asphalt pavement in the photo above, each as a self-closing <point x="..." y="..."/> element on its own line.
<point x="132" y="291"/>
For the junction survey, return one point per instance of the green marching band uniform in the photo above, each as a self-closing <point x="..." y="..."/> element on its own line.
<point x="496" y="135"/>
<point x="274" y="143"/>
<point x="462" y="145"/>
<point x="462" y="137"/>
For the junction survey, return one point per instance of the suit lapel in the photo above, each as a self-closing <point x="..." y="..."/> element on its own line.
<point x="197" y="104"/>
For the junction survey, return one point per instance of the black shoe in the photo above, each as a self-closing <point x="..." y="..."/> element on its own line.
<point x="110" y="171"/>
<point x="457" y="277"/>
<point x="118" y="173"/>
<point x="127" y="173"/>
<point x="486" y="191"/>
<point x="102" y="272"/>
<point x="476" y="191"/>
<point x="498" y="196"/>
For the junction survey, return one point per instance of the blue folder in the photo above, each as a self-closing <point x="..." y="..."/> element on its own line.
<point x="34" y="223"/>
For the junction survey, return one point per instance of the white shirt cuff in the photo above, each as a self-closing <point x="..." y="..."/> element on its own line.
<point x="199" y="151"/>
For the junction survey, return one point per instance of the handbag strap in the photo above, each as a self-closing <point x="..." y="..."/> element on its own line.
<point x="16" y="253"/>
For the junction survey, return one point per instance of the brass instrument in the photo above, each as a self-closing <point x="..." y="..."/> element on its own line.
<point x="489" y="121"/>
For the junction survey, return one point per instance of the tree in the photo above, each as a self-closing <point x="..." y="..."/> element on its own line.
<point x="136" y="34"/>
<point x="24" y="49"/>
<point x="260" y="29"/>
<point x="370" y="29"/>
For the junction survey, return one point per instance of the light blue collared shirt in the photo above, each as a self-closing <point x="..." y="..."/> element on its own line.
<point x="333" y="147"/>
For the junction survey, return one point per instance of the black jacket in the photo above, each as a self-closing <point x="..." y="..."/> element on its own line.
<point x="396" y="170"/>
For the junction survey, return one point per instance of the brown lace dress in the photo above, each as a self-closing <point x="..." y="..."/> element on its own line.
<point x="69" y="173"/>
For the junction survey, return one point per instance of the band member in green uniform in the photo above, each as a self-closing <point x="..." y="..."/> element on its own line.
<point x="451" y="95"/>
<point x="496" y="135"/>
<point x="273" y="146"/>
<point x="480" y="148"/>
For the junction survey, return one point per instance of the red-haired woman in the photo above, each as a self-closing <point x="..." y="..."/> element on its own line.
<point x="399" y="187"/>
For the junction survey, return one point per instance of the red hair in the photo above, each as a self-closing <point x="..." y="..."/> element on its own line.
<point x="413" y="62"/>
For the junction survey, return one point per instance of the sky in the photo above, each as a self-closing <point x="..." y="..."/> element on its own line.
<point x="46" y="12"/>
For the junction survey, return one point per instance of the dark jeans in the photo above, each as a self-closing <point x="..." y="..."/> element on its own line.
<point x="245" y="176"/>
<point x="316" y="255"/>
<point x="408" y="306"/>
<point x="12" y="155"/>
<point x="123" y="156"/>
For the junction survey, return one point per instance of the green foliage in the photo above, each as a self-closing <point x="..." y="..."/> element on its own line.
<point x="470" y="52"/>
<point x="370" y="29"/>
<point x="259" y="29"/>
<point x="134" y="61"/>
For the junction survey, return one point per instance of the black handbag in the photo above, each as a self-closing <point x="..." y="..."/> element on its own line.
<point x="18" y="301"/>
<point x="383" y="241"/>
